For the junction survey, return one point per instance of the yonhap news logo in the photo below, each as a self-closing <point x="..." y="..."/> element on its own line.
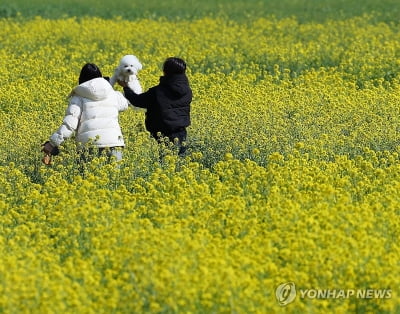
<point x="286" y="293"/>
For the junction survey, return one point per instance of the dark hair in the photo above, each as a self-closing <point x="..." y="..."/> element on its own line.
<point x="174" y="65"/>
<point x="89" y="72"/>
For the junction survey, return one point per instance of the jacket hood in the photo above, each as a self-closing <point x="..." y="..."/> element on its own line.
<point x="96" y="89"/>
<point x="177" y="83"/>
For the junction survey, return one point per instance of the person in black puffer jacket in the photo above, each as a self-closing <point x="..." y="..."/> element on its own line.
<point x="167" y="104"/>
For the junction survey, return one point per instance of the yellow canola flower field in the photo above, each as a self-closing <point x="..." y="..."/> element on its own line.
<point x="292" y="175"/>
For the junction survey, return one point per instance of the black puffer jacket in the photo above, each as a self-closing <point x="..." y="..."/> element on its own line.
<point x="167" y="104"/>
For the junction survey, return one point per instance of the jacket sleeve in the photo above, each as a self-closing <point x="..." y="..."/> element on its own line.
<point x="70" y="122"/>
<point x="138" y="100"/>
<point x="122" y="102"/>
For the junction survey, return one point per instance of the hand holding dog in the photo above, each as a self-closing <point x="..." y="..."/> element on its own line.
<point x="122" y="83"/>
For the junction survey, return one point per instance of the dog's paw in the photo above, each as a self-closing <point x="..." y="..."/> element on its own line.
<point x="132" y="77"/>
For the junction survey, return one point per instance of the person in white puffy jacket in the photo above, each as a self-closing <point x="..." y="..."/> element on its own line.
<point x="92" y="115"/>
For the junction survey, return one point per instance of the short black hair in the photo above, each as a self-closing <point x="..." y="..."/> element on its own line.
<point x="89" y="72"/>
<point x="174" y="65"/>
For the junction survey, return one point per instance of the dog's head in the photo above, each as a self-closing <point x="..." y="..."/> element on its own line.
<point x="129" y="65"/>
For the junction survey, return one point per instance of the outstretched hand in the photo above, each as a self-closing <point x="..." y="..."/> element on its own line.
<point x="49" y="151"/>
<point x="46" y="159"/>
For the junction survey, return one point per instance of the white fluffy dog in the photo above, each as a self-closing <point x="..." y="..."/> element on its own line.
<point x="127" y="71"/>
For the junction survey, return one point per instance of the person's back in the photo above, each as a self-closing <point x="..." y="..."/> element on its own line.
<point x="171" y="111"/>
<point x="100" y="106"/>
<point x="92" y="114"/>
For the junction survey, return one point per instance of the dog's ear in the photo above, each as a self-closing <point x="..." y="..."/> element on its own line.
<point x="138" y="66"/>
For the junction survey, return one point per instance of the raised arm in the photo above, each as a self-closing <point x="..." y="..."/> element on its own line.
<point x="138" y="100"/>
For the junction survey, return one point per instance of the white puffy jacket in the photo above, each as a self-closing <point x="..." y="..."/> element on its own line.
<point x="92" y="114"/>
